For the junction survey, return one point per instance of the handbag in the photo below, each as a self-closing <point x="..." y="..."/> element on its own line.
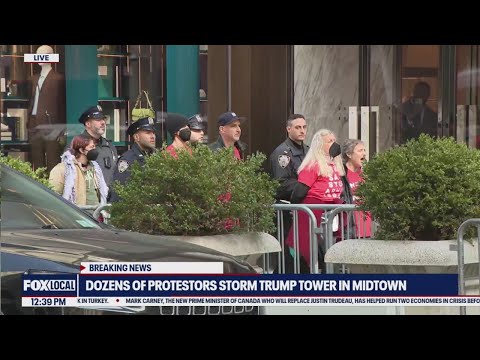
<point x="138" y="112"/>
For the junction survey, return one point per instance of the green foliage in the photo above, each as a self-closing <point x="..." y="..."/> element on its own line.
<point x="422" y="190"/>
<point x="25" y="167"/>
<point x="183" y="196"/>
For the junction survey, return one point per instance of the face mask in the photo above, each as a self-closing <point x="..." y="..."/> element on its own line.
<point x="335" y="150"/>
<point x="185" y="134"/>
<point x="92" y="155"/>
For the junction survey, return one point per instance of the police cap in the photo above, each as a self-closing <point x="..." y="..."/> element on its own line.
<point x="141" y="124"/>
<point x="93" y="112"/>
<point x="195" y="122"/>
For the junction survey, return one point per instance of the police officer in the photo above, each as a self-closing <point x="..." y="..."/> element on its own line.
<point x="142" y="132"/>
<point x="287" y="157"/>
<point x="195" y="123"/>
<point x="284" y="163"/>
<point x="95" y="126"/>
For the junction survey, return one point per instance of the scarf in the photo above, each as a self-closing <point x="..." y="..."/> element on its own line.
<point x="71" y="173"/>
<point x="102" y="185"/>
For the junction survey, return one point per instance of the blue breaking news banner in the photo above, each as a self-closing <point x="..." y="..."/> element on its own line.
<point x="126" y="285"/>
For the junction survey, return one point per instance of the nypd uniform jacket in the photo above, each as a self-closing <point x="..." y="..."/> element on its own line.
<point x="124" y="167"/>
<point x="107" y="158"/>
<point x="284" y="163"/>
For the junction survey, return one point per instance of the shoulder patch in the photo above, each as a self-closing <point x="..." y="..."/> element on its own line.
<point x="122" y="166"/>
<point x="283" y="161"/>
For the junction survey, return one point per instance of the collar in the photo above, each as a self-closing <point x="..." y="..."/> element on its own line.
<point x="137" y="149"/>
<point x="295" y="148"/>
<point x="237" y="144"/>
<point x="99" y="142"/>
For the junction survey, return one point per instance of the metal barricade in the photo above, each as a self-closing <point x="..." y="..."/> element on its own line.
<point x="461" y="257"/>
<point x="315" y="231"/>
<point x="352" y="224"/>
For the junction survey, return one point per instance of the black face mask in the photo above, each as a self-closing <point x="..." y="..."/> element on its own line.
<point x="335" y="150"/>
<point x="185" y="134"/>
<point x="92" y="155"/>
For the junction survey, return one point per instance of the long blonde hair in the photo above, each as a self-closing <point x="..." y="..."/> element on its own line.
<point x="315" y="155"/>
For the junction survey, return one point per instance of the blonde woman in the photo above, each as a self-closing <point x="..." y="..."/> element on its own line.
<point x="319" y="182"/>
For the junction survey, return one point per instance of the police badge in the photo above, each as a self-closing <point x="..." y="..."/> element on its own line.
<point x="283" y="160"/>
<point x="122" y="166"/>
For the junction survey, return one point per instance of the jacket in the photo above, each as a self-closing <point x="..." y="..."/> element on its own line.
<point x="79" y="194"/>
<point x="107" y="157"/>
<point x="219" y="144"/>
<point x="124" y="167"/>
<point x="51" y="100"/>
<point x="284" y="163"/>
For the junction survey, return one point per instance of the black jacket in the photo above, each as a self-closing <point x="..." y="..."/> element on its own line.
<point x="284" y="163"/>
<point x="124" y="167"/>
<point x="107" y="158"/>
<point x="416" y="121"/>
<point x="219" y="144"/>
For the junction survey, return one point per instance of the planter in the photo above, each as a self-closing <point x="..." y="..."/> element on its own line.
<point x="409" y="257"/>
<point x="249" y="246"/>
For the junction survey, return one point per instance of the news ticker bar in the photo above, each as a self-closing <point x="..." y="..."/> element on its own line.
<point x="103" y="302"/>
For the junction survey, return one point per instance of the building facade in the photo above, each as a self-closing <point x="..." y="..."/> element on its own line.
<point x="358" y="91"/>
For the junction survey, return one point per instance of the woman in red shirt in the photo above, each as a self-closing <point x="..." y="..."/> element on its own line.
<point x="319" y="182"/>
<point x="354" y="154"/>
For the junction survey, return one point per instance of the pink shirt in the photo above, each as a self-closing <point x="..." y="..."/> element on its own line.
<point x="325" y="189"/>
<point x="363" y="220"/>
<point x="354" y="179"/>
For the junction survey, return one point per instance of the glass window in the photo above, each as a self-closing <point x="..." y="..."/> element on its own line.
<point x="420" y="90"/>
<point x="467" y="118"/>
<point x="33" y="105"/>
<point x="124" y="73"/>
<point x="203" y="91"/>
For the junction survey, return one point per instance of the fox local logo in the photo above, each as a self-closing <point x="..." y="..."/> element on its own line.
<point x="41" y="58"/>
<point x="48" y="285"/>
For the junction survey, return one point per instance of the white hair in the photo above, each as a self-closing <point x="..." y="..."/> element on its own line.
<point x="315" y="155"/>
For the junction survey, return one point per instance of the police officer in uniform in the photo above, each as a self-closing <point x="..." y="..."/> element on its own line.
<point x="287" y="157"/>
<point x="195" y="123"/>
<point x="95" y="126"/>
<point x="142" y="132"/>
<point x="284" y="163"/>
